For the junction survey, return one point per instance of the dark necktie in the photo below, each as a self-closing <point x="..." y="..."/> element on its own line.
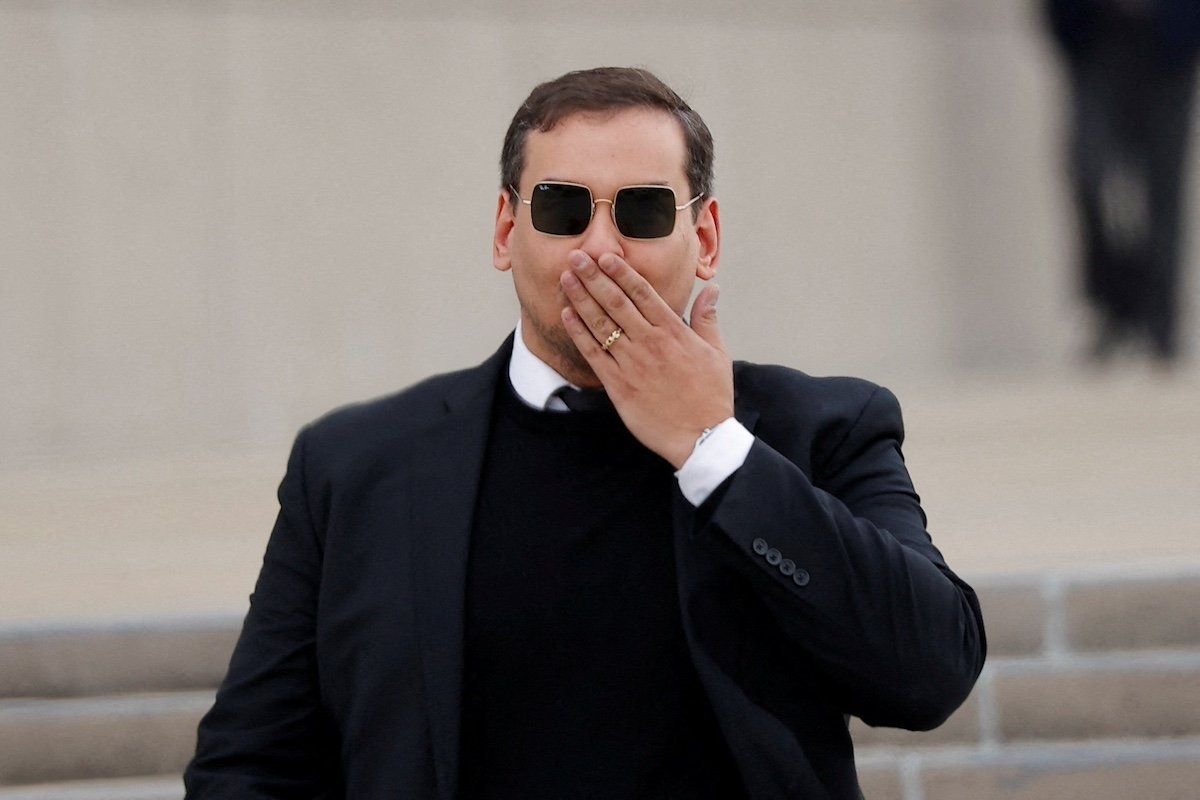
<point x="584" y="399"/>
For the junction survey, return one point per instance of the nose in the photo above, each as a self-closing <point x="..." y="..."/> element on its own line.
<point x="601" y="235"/>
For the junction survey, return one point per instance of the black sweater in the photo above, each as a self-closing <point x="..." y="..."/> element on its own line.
<point x="578" y="681"/>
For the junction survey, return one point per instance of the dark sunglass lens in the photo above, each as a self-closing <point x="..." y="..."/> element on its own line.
<point x="645" y="212"/>
<point x="560" y="209"/>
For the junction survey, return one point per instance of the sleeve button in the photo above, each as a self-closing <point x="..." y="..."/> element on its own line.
<point x="787" y="566"/>
<point x="760" y="546"/>
<point x="774" y="556"/>
<point x="800" y="577"/>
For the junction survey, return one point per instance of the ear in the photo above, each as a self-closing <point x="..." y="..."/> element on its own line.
<point x="506" y="222"/>
<point x="708" y="231"/>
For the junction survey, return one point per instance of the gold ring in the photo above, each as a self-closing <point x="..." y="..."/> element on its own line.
<point x="612" y="337"/>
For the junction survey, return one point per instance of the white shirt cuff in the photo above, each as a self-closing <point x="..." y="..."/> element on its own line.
<point x="714" y="460"/>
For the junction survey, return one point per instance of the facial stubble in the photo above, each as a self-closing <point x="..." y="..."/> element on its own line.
<point x="571" y="363"/>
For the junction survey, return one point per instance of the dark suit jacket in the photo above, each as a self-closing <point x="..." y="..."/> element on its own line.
<point x="345" y="681"/>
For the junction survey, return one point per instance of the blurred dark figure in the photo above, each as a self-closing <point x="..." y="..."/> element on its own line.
<point x="1132" y="68"/>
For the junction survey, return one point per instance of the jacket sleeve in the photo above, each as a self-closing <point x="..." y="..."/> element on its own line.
<point x="850" y="575"/>
<point x="266" y="735"/>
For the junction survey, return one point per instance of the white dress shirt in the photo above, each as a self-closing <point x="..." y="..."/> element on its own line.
<point x="711" y="462"/>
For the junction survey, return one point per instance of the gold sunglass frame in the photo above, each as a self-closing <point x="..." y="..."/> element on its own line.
<point x="611" y="205"/>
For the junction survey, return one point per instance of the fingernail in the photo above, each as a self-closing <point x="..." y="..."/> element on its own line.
<point x="716" y="293"/>
<point x="578" y="259"/>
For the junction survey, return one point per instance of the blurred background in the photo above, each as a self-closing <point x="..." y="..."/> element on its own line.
<point x="219" y="220"/>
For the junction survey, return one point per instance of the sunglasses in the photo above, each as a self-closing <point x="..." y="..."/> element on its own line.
<point x="639" y="212"/>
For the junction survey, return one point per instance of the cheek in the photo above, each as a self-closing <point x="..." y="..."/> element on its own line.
<point x="537" y="264"/>
<point x="671" y="273"/>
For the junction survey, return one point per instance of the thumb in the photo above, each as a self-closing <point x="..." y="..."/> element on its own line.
<point x="704" y="315"/>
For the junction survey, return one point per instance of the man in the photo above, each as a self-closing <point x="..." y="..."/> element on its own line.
<point x="1131" y="66"/>
<point x="608" y="562"/>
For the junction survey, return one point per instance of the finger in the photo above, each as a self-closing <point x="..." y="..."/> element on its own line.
<point x="602" y="362"/>
<point x="616" y="303"/>
<point x="594" y="318"/>
<point x="649" y="302"/>
<point x="704" y="316"/>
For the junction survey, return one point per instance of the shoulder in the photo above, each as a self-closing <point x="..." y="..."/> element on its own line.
<point x="405" y="413"/>
<point x="411" y="405"/>
<point x="815" y="415"/>
<point x="772" y="384"/>
<point x="355" y="435"/>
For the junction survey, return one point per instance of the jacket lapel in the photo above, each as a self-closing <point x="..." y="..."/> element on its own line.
<point x="446" y="466"/>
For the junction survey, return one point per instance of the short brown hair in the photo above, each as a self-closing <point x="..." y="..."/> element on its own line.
<point x="599" y="90"/>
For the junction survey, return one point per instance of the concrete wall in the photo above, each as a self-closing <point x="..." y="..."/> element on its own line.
<point x="220" y="219"/>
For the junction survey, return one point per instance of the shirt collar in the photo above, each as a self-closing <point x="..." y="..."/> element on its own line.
<point x="534" y="380"/>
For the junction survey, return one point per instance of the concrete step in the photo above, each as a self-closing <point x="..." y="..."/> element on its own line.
<point x="1151" y="694"/>
<point x="165" y="787"/>
<point x="1113" y="695"/>
<point x="159" y="654"/>
<point x="98" y="737"/>
<point x="1113" y="770"/>
<point x="1091" y="611"/>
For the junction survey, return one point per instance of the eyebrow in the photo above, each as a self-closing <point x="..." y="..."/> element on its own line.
<point x="568" y="180"/>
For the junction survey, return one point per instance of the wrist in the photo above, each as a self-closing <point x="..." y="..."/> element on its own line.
<point x="692" y="443"/>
